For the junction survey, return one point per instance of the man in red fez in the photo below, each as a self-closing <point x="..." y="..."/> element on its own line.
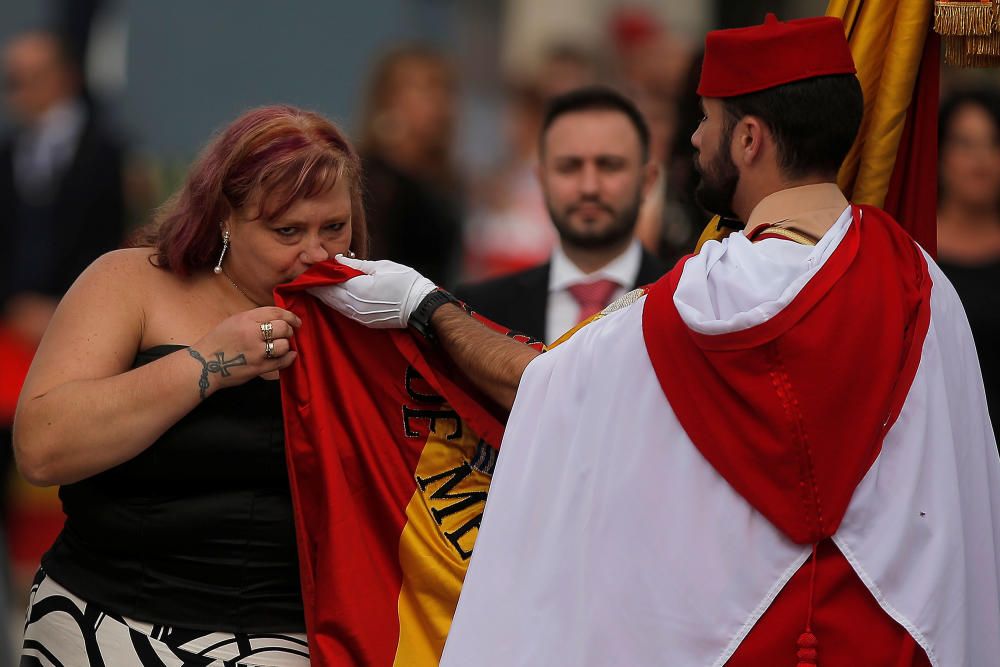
<point x="778" y="454"/>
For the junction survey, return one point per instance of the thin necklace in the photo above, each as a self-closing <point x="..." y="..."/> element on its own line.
<point x="240" y="288"/>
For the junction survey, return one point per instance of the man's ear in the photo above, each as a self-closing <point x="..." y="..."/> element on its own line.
<point x="750" y="138"/>
<point x="650" y="175"/>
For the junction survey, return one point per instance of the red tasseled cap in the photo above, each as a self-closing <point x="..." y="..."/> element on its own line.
<point x="745" y="60"/>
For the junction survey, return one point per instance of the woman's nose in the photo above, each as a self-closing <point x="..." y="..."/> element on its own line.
<point x="314" y="253"/>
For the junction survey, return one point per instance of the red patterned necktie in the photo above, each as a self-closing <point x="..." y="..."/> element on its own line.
<point x="593" y="297"/>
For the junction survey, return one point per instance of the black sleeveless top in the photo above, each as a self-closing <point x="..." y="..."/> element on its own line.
<point x="979" y="288"/>
<point x="197" y="530"/>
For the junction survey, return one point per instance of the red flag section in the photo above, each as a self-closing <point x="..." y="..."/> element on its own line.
<point x="389" y="456"/>
<point x="912" y="195"/>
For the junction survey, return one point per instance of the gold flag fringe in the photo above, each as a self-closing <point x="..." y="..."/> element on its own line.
<point x="964" y="18"/>
<point x="954" y="51"/>
<point x="970" y="32"/>
<point x="983" y="45"/>
<point x="960" y="53"/>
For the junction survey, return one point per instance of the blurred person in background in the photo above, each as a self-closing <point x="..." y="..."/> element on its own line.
<point x="414" y="192"/>
<point x="149" y="401"/>
<point x="75" y="21"/>
<point x="654" y="61"/>
<point x="659" y="114"/>
<point x="650" y="56"/>
<point x="508" y="228"/>
<point x="61" y="183"/>
<point x="595" y="171"/>
<point x="686" y="218"/>
<point x="61" y="205"/>
<point x="968" y="234"/>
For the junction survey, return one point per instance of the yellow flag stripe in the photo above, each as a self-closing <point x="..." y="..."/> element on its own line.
<point x="887" y="40"/>
<point x="432" y="569"/>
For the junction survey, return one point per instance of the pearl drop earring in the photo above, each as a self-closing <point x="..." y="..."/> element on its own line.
<point x="225" y="247"/>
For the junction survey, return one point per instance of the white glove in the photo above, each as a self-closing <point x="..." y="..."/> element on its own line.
<point x="382" y="299"/>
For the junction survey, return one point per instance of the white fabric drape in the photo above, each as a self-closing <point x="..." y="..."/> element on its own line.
<point x="609" y="540"/>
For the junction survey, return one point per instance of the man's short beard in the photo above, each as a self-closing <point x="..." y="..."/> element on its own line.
<point x="717" y="187"/>
<point x="719" y="179"/>
<point x="624" y="222"/>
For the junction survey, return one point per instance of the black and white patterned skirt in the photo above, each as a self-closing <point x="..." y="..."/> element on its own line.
<point x="61" y="630"/>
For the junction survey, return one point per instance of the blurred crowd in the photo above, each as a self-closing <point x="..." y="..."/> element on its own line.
<point x="430" y="213"/>
<point x="71" y="190"/>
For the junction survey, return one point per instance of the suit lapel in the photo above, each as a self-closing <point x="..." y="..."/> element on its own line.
<point x="535" y="299"/>
<point x="650" y="270"/>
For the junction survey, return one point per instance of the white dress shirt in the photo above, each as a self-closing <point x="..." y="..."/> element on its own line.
<point x="562" y="310"/>
<point x="43" y="152"/>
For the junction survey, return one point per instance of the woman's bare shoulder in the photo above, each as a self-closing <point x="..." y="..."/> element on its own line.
<point x="126" y="280"/>
<point x="147" y="304"/>
<point x="131" y="269"/>
<point x="138" y="261"/>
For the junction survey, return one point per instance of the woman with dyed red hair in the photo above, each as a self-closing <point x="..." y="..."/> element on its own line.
<point x="149" y="402"/>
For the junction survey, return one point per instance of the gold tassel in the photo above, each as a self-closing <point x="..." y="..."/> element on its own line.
<point x="970" y="32"/>
<point x="973" y="60"/>
<point x="959" y="52"/>
<point x="964" y="18"/>
<point x="983" y="45"/>
<point x="953" y="50"/>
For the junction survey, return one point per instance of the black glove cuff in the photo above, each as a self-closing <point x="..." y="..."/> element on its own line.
<point x="420" y="318"/>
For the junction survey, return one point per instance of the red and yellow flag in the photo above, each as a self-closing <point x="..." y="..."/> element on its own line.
<point x="390" y="456"/>
<point x="893" y="163"/>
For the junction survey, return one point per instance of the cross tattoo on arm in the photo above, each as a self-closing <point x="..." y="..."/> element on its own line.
<point x="219" y="365"/>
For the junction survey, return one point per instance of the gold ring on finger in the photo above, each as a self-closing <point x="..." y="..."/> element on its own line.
<point x="267" y="331"/>
<point x="269" y="349"/>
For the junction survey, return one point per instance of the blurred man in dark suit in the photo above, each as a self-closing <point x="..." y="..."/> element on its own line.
<point x="61" y="190"/>
<point x="595" y="172"/>
<point x="61" y="205"/>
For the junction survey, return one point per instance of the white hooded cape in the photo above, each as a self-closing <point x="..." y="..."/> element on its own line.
<point x="609" y="540"/>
